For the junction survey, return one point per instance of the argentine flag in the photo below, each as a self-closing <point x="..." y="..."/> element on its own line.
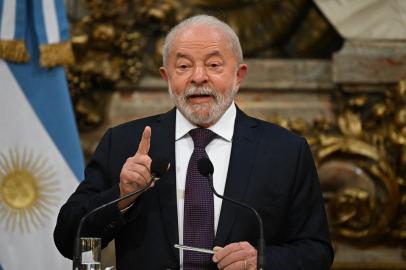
<point x="40" y="156"/>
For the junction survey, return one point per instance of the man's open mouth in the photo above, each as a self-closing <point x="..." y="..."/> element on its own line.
<point x="199" y="96"/>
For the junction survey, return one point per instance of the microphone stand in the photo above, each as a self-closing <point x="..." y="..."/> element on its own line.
<point x="206" y="168"/>
<point x="77" y="256"/>
<point x="261" y="240"/>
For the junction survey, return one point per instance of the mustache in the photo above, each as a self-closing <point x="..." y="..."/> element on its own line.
<point x="204" y="90"/>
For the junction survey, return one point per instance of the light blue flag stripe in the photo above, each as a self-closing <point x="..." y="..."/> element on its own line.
<point x="1" y="13"/>
<point x="21" y="22"/>
<point x="39" y="22"/>
<point x="47" y="91"/>
<point x="62" y="20"/>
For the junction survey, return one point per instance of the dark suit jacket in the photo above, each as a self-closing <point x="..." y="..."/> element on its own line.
<point x="270" y="169"/>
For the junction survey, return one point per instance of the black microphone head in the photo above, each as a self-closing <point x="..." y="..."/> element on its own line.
<point x="205" y="167"/>
<point x="159" y="166"/>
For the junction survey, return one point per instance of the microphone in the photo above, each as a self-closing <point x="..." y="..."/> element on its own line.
<point x="159" y="167"/>
<point x="206" y="168"/>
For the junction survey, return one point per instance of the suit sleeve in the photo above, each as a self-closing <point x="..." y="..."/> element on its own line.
<point x="98" y="188"/>
<point x="307" y="243"/>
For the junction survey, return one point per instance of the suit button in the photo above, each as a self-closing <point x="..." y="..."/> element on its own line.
<point x="112" y="224"/>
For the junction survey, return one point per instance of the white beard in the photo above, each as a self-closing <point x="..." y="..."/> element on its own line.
<point x="204" y="114"/>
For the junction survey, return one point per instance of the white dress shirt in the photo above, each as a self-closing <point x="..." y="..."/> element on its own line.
<point x="218" y="150"/>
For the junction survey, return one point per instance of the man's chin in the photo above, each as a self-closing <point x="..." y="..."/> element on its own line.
<point x="203" y="114"/>
<point x="202" y="111"/>
<point x="201" y="117"/>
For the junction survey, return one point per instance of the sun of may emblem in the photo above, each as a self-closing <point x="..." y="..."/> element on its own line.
<point x="28" y="190"/>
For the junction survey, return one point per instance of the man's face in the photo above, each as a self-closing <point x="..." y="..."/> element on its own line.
<point x="203" y="74"/>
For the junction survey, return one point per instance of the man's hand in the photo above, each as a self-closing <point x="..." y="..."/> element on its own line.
<point x="136" y="173"/>
<point x="238" y="256"/>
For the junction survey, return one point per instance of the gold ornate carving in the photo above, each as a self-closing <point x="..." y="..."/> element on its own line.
<point x="108" y="51"/>
<point x="361" y="163"/>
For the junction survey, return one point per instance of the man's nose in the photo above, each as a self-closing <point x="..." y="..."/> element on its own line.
<point x="199" y="75"/>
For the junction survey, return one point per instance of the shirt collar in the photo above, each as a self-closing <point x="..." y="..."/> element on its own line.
<point x="224" y="127"/>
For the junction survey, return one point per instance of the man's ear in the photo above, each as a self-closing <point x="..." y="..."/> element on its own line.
<point x="164" y="73"/>
<point x="242" y="70"/>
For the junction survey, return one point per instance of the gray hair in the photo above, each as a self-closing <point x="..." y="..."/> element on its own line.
<point x="203" y="20"/>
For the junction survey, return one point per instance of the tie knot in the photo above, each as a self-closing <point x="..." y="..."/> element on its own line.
<point x="202" y="136"/>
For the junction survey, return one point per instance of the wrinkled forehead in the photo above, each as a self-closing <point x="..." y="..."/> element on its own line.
<point x="200" y="30"/>
<point x="200" y="34"/>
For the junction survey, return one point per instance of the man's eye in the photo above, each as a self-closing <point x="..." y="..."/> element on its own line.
<point x="183" y="66"/>
<point x="214" y="65"/>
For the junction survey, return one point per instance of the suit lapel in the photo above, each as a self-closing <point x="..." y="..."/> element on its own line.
<point x="163" y="145"/>
<point x="241" y="162"/>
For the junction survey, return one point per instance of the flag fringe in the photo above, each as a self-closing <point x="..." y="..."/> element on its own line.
<point x="14" y="50"/>
<point x="56" y="54"/>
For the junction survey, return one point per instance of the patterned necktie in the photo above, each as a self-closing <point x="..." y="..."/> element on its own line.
<point x="198" y="227"/>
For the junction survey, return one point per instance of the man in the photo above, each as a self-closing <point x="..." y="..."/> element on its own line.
<point x="255" y="162"/>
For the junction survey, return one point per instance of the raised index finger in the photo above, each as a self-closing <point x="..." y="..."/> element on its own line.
<point x="143" y="147"/>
